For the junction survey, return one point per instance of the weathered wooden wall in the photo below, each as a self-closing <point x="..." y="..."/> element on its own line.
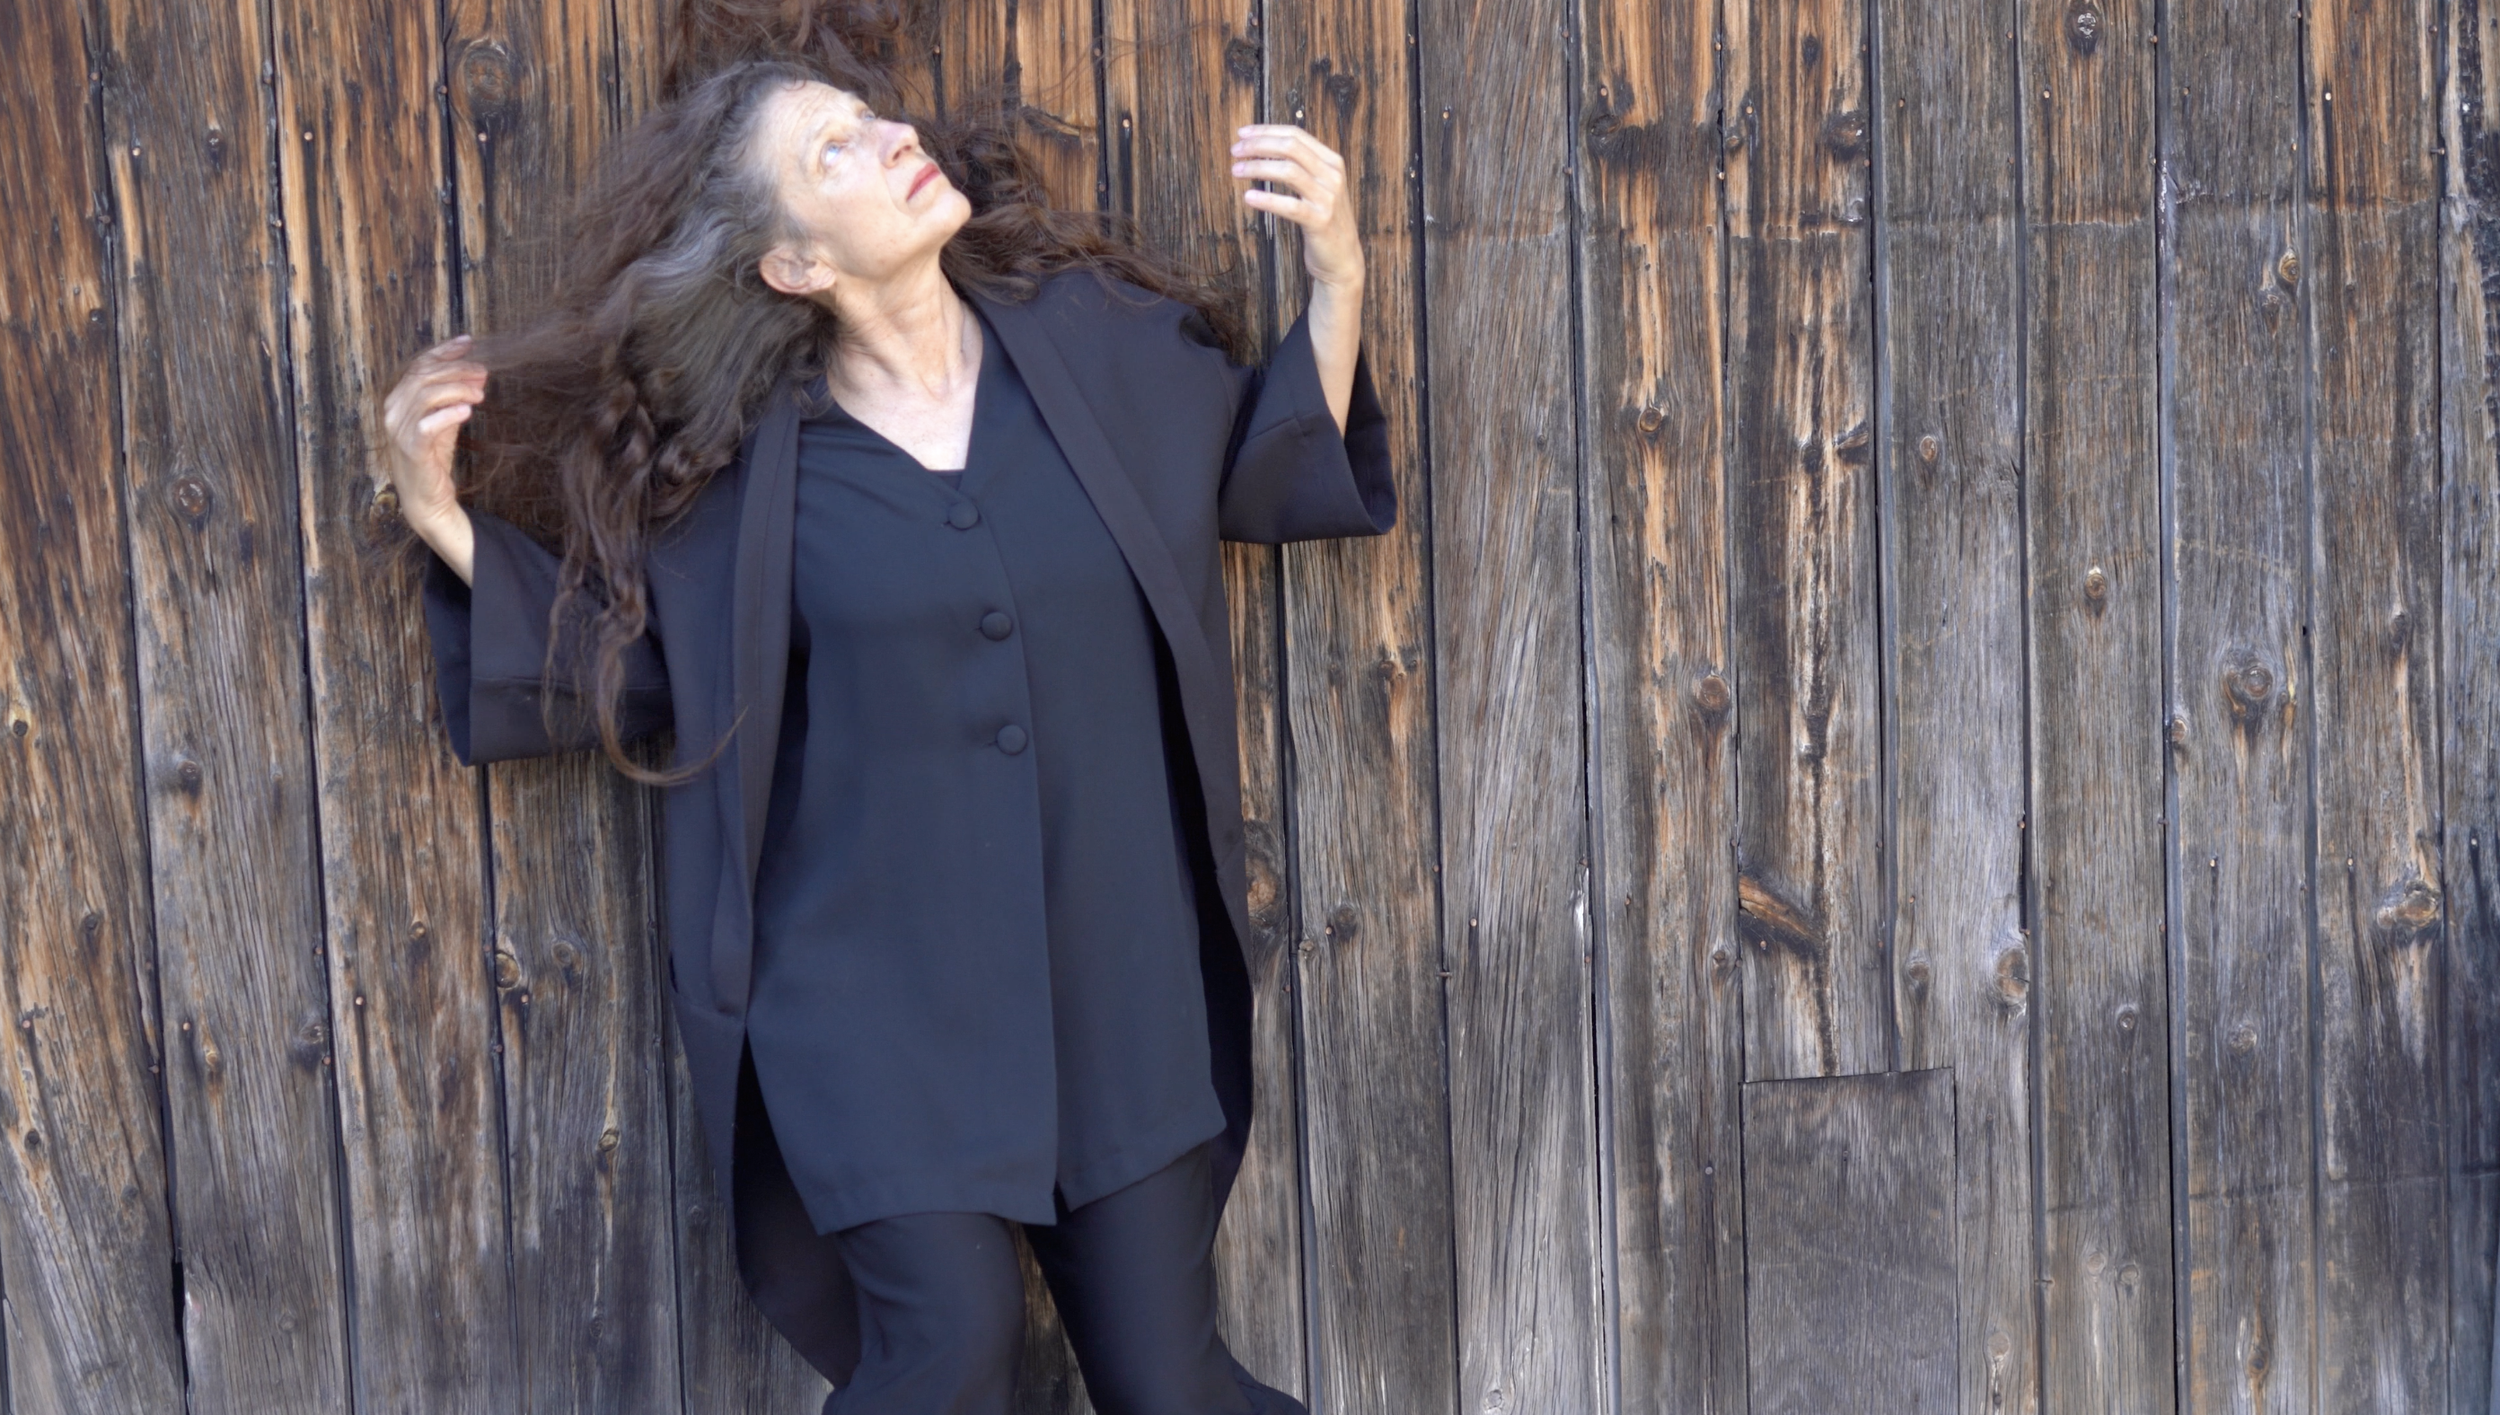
<point x="1909" y="820"/>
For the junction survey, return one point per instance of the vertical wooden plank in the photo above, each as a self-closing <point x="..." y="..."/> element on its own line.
<point x="1949" y="458"/>
<point x="361" y="166"/>
<point x="1653" y="299"/>
<point x="2093" y="509"/>
<point x="2374" y="544"/>
<point x="1360" y="711"/>
<point x="1178" y="79"/>
<point x="85" y="1234"/>
<point x="533" y="90"/>
<point x="2470" y="692"/>
<point x="2234" y="452"/>
<point x="1506" y="637"/>
<point x="1849" y="1245"/>
<point x="217" y="583"/>
<point x="1801" y="355"/>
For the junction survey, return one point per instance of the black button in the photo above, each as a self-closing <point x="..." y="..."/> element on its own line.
<point x="963" y="516"/>
<point x="1011" y="739"/>
<point x="997" y="625"/>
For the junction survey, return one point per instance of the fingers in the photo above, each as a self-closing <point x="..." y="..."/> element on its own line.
<point x="1282" y="153"/>
<point x="1282" y="140"/>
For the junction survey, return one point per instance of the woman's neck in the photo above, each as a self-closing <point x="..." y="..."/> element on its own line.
<point x="910" y="338"/>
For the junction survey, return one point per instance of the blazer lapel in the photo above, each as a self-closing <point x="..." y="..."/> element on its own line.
<point x="1108" y="485"/>
<point x="759" y="663"/>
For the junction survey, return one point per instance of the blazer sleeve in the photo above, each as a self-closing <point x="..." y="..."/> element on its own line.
<point x="490" y="655"/>
<point x="1289" y="474"/>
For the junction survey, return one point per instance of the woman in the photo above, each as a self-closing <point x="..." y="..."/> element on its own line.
<point x="897" y="499"/>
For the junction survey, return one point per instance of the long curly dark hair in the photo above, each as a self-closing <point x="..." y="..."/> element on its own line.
<point x="637" y="376"/>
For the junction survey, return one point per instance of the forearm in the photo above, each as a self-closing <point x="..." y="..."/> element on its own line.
<point x="454" y="537"/>
<point x="1336" y="325"/>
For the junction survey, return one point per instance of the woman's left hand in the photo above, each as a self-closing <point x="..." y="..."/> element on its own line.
<point x="1313" y="176"/>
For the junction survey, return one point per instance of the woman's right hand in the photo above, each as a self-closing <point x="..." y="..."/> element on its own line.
<point x="421" y="419"/>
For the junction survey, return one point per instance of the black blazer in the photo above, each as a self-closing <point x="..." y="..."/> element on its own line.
<point x="1177" y="447"/>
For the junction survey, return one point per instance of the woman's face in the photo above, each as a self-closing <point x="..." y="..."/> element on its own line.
<point x="869" y="204"/>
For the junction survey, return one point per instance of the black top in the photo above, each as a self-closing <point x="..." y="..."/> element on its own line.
<point x="976" y="944"/>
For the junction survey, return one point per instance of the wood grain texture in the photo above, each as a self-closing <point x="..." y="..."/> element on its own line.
<point x="1507" y="648"/>
<point x="217" y="585"/>
<point x="2091" y="402"/>
<point x="1057" y="83"/>
<point x="1653" y="298"/>
<point x="1365" y="830"/>
<point x="2470" y="692"/>
<point x="730" y="1359"/>
<point x="361" y="169"/>
<point x="1949" y="449"/>
<point x="1177" y="80"/>
<point x="2374" y="541"/>
<point x="1810" y="898"/>
<point x="533" y="92"/>
<point x="1849" y="1245"/>
<point x="85" y="1235"/>
<point x="2235" y="452"/>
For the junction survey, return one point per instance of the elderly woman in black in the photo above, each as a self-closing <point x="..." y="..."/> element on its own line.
<point x="896" y="497"/>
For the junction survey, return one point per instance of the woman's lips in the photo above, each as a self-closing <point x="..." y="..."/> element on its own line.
<point x="921" y="181"/>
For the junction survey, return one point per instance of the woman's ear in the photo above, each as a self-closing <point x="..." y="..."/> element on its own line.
<point x="793" y="274"/>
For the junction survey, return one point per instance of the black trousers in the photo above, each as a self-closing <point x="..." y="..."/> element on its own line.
<point x="942" y="1307"/>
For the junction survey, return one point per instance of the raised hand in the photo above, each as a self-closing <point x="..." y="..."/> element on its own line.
<point x="421" y="419"/>
<point x="1332" y="249"/>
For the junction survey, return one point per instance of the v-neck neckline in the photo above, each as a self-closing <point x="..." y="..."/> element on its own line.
<point x="951" y="483"/>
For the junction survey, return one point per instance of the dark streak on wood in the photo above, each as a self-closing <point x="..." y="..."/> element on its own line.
<point x="1653" y="297"/>
<point x="1795" y="144"/>
<point x="2374" y="635"/>
<point x="1849" y="1245"/>
<point x="2469" y="707"/>
<point x="2091" y="409"/>
<point x="85" y="1236"/>
<point x="233" y="849"/>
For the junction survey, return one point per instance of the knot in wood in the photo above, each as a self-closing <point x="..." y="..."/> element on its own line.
<point x="507" y="970"/>
<point x="188" y="776"/>
<point x="1651" y="418"/>
<point x="2126" y="1017"/>
<point x="2014" y="976"/>
<point x="608" y="1140"/>
<point x="2096" y="588"/>
<point x="2083" y="26"/>
<point x="1929" y="449"/>
<point x="18" y="727"/>
<point x="1712" y="695"/>
<point x="2408" y="913"/>
<point x="2177" y="731"/>
<point x="2249" y="687"/>
<point x="1241" y="59"/>
<point x="1844" y="135"/>
<point x="2243" y="1039"/>
<point x="2287" y="268"/>
<point x="191" y="498"/>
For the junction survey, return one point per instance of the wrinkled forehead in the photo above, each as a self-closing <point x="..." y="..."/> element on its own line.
<point x="791" y="115"/>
